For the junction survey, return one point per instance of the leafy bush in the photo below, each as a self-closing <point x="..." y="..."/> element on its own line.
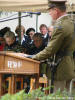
<point x="39" y="95"/>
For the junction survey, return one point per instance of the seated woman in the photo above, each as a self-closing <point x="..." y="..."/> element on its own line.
<point x="11" y="44"/>
<point x="29" y="41"/>
<point x="23" y="35"/>
<point x="38" y="44"/>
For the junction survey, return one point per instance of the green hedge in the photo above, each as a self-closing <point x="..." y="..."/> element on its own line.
<point x="39" y="95"/>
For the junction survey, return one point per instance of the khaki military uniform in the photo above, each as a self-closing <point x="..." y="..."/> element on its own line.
<point x="61" y="37"/>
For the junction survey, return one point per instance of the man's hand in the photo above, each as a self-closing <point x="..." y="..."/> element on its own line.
<point x="30" y="56"/>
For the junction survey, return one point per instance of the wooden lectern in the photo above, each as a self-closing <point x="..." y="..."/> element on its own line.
<point x="17" y="64"/>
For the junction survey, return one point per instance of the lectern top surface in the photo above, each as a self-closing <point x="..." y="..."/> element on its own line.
<point x="18" y="55"/>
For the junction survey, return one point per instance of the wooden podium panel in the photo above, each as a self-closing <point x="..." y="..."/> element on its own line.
<point x="17" y="63"/>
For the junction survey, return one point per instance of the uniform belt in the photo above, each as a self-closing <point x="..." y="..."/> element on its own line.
<point x="68" y="53"/>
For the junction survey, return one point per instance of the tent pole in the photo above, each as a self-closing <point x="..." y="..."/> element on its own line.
<point x="36" y="23"/>
<point x="19" y="23"/>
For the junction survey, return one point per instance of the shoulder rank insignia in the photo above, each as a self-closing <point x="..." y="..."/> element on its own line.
<point x="58" y="27"/>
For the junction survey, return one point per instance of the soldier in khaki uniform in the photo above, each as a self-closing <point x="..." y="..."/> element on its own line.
<point x="61" y="43"/>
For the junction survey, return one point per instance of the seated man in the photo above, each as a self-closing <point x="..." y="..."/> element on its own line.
<point x="44" y="31"/>
<point x="50" y="30"/>
<point x="11" y="44"/>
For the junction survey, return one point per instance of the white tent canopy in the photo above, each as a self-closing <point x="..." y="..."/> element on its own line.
<point x="24" y="5"/>
<point x="31" y="5"/>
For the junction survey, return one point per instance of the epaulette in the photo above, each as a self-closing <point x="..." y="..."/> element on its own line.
<point x="58" y="24"/>
<point x="57" y="27"/>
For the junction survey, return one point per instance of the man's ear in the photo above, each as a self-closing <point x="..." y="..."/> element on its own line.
<point x="58" y="11"/>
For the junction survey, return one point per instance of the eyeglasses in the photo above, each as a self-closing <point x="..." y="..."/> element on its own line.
<point x="49" y="31"/>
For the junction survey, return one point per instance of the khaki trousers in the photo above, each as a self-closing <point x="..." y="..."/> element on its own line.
<point x="60" y="84"/>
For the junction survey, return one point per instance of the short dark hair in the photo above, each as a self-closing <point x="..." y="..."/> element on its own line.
<point x="3" y="31"/>
<point x="38" y="35"/>
<point x="29" y="30"/>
